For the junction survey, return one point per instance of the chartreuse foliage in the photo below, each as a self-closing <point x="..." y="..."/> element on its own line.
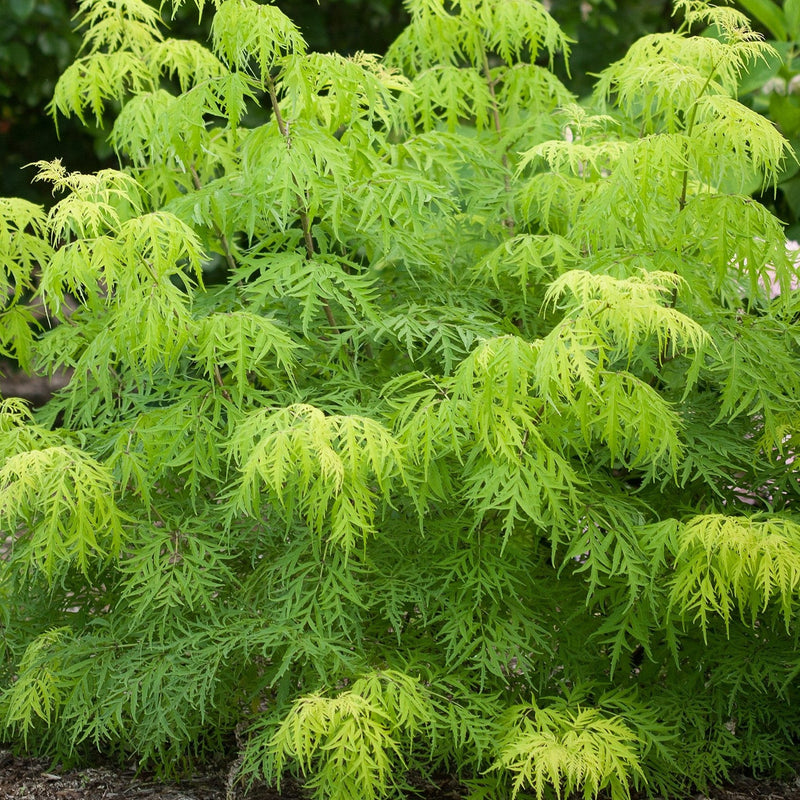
<point x="419" y="417"/>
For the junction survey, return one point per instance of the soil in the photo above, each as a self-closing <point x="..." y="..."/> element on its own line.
<point x="38" y="779"/>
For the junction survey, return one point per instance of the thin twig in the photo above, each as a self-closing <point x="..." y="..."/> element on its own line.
<point x="305" y="223"/>
<point x="220" y="382"/>
<point x="217" y="230"/>
<point x="509" y="222"/>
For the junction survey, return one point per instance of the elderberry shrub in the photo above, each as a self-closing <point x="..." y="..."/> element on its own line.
<point x="419" y="417"/>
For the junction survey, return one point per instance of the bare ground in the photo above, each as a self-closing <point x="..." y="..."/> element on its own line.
<point x="37" y="779"/>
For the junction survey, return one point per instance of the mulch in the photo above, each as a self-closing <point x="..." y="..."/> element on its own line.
<point x="39" y="779"/>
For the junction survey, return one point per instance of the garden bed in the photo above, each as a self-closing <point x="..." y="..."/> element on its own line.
<point x="38" y="779"/>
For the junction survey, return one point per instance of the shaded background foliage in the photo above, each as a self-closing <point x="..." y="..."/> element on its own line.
<point x="773" y="89"/>
<point x="37" y="42"/>
<point x="603" y="30"/>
